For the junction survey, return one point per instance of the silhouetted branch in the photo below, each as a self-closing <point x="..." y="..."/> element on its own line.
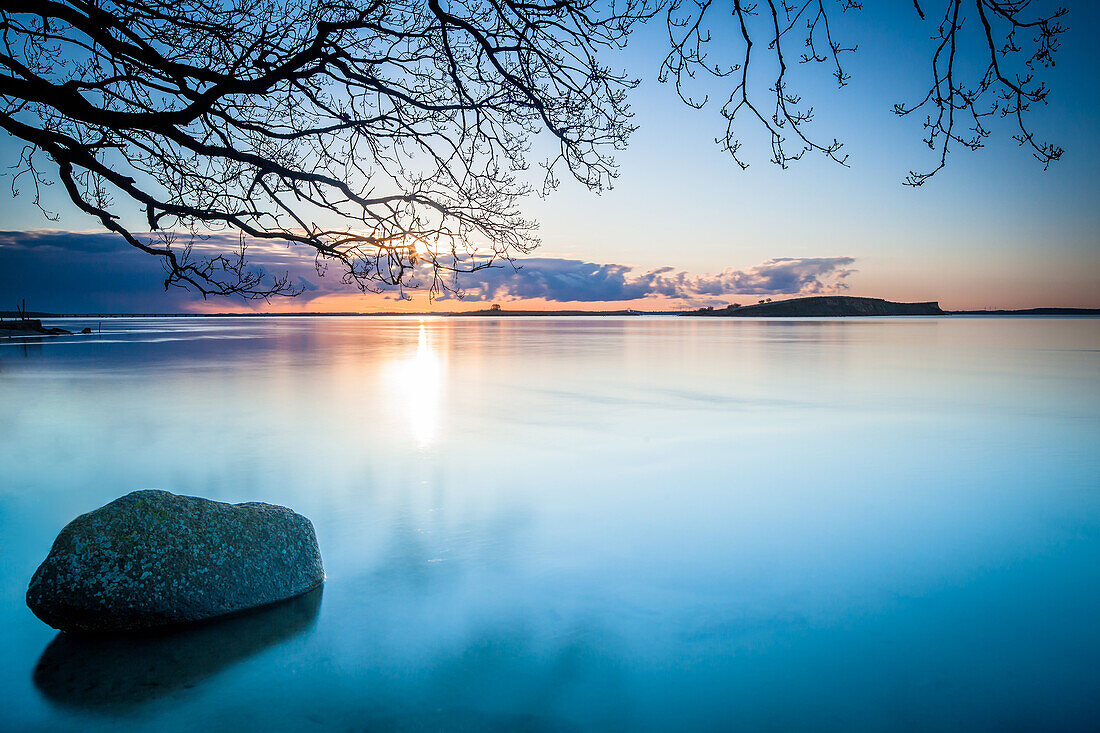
<point x="773" y="25"/>
<point x="996" y="92"/>
<point x="784" y="119"/>
<point x="384" y="135"/>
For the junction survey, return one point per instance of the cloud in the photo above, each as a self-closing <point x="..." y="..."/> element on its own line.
<point x="45" y="240"/>
<point x="98" y="272"/>
<point x="567" y="280"/>
<point x="554" y="279"/>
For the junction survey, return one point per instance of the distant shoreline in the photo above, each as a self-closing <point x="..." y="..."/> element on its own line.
<point x="1032" y="312"/>
<point x="1023" y="312"/>
<point x="808" y="307"/>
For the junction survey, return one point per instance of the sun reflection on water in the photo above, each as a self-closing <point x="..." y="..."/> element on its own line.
<point x="416" y="384"/>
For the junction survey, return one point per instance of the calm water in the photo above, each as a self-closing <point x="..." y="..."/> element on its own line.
<point x="570" y="524"/>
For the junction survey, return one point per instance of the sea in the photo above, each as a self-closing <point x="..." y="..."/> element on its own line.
<point x="582" y="523"/>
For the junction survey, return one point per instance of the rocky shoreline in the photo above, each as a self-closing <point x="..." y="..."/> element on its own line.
<point x="30" y="327"/>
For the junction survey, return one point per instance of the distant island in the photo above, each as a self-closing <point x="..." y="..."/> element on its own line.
<point x="823" y="306"/>
<point x="832" y="306"/>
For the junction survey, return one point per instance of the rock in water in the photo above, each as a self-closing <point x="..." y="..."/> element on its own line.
<point x="152" y="559"/>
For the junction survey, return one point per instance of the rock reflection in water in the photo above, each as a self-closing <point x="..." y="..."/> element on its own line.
<point x="110" y="672"/>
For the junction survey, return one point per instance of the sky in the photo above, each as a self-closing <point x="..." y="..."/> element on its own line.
<point x="684" y="226"/>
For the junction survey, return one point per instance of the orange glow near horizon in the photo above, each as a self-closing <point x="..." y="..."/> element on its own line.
<point x="419" y="303"/>
<point x="990" y="296"/>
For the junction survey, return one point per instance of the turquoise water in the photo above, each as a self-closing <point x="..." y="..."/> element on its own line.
<point x="584" y="524"/>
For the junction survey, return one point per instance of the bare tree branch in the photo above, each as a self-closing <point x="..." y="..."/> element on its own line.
<point x="387" y="136"/>
<point x="994" y="92"/>
<point x="695" y="42"/>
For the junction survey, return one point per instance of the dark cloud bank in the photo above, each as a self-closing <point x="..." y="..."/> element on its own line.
<point x="98" y="272"/>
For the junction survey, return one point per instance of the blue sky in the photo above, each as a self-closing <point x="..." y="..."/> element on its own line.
<point x="991" y="230"/>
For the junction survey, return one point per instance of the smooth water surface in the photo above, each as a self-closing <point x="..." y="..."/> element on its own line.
<point x="583" y="524"/>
